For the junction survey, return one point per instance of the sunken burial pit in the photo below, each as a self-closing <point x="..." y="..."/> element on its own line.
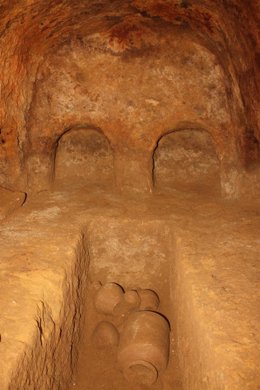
<point x="129" y="154"/>
<point x="128" y="343"/>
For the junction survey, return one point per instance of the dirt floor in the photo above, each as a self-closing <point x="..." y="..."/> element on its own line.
<point x="201" y="254"/>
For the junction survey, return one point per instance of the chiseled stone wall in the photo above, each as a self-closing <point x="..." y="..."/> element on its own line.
<point x="135" y="71"/>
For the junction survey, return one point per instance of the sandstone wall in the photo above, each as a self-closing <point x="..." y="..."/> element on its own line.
<point x="112" y="62"/>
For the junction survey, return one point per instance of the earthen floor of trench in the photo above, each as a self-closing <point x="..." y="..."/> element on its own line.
<point x="48" y="244"/>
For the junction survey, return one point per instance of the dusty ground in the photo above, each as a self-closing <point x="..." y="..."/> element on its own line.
<point x="203" y="250"/>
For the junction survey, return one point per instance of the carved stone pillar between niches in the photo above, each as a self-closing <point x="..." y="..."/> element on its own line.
<point x="39" y="172"/>
<point x="133" y="170"/>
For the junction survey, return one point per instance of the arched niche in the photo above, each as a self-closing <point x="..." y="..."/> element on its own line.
<point x="186" y="160"/>
<point x="84" y="157"/>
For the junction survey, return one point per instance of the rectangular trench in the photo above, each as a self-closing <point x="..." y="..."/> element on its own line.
<point x="133" y="253"/>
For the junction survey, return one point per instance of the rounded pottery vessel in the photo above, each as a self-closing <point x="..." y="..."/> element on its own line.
<point x="143" y="351"/>
<point x="132" y="299"/>
<point x="96" y="285"/>
<point x="108" y="297"/>
<point x="149" y="300"/>
<point x="130" y="302"/>
<point x="105" y="335"/>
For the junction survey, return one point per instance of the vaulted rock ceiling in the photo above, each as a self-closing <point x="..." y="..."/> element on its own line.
<point x="135" y="69"/>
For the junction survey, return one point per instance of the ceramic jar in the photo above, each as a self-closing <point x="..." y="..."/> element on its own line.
<point x="105" y="335"/>
<point x="144" y="347"/>
<point x="132" y="299"/>
<point x="130" y="302"/>
<point x="149" y="300"/>
<point x="108" y="297"/>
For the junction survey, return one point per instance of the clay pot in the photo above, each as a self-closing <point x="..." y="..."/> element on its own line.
<point x="132" y="299"/>
<point x="130" y="302"/>
<point x="144" y="347"/>
<point x="108" y="297"/>
<point x="95" y="286"/>
<point x="149" y="300"/>
<point x="105" y="335"/>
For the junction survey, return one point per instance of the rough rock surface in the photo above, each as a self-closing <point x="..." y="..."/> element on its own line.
<point x="186" y="156"/>
<point x="10" y="201"/>
<point x="135" y="69"/>
<point x="153" y="107"/>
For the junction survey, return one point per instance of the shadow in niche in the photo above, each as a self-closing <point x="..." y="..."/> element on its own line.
<point x="186" y="160"/>
<point x="83" y="157"/>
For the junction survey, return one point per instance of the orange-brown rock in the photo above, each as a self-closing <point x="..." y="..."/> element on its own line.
<point x="129" y="152"/>
<point x="135" y="70"/>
